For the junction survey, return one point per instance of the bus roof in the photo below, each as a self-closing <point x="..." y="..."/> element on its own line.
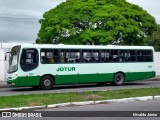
<point x="61" y="46"/>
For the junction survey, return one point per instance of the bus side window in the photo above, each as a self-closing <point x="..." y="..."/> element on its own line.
<point x="65" y="60"/>
<point x="51" y="60"/>
<point x="114" y="55"/>
<point x="62" y="60"/>
<point x="56" y="56"/>
<point x="70" y="56"/>
<point x="49" y="56"/>
<point x="45" y="60"/>
<point x="144" y="56"/>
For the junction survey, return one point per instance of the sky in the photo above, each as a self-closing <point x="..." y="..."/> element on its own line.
<point x="19" y="18"/>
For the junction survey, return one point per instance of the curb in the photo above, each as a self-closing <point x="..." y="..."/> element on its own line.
<point x="59" y="105"/>
<point x="4" y="84"/>
<point x="157" y="78"/>
<point x="9" y="109"/>
<point x="144" y="98"/>
<point x="32" y="108"/>
<point x="157" y="97"/>
<point x="69" y="104"/>
<point x="82" y="103"/>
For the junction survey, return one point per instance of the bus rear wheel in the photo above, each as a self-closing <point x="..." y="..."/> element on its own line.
<point x="46" y="83"/>
<point x="118" y="79"/>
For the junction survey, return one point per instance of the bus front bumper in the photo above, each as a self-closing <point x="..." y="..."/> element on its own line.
<point x="11" y="83"/>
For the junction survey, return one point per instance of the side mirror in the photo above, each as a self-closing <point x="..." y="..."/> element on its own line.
<point x="5" y="59"/>
<point x="7" y="56"/>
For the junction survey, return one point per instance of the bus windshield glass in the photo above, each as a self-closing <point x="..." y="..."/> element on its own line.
<point x="13" y="61"/>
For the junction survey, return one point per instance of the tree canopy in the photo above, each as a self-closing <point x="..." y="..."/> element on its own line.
<point x="96" y="22"/>
<point x="154" y="40"/>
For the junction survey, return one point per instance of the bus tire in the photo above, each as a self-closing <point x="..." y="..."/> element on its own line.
<point x="118" y="79"/>
<point x="46" y="83"/>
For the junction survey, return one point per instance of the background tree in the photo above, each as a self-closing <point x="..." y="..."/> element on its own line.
<point x="154" y="40"/>
<point x="96" y="22"/>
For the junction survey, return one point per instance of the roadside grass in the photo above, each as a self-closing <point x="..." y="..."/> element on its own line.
<point x="54" y="98"/>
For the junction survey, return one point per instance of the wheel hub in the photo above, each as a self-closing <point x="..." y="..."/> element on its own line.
<point x="118" y="79"/>
<point x="47" y="82"/>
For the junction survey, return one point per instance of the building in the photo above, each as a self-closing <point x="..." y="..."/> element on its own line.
<point x="4" y="47"/>
<point x="157" y="63"/>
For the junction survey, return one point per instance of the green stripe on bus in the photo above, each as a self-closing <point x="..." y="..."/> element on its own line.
<point x="82" y="78"/>
<point x="26" y="81"/>
<point x="139" y="75"/>
<point x="95" y="78"/>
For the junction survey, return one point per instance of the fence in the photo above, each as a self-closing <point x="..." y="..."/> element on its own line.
<point x="157" y="63"/>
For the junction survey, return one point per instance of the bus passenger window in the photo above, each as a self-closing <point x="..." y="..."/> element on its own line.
<point x="90" y="56"/>
<point x="144" y="56"/>
<point x="66" y="60"/>
<point x="51" y="60"/>
<point x="49" y="56"/>
<point x="45" y="60"/>
<point x="70" y="56"/>
<point x="62" y="60"/>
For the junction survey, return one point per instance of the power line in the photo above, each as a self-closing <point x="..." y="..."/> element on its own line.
<point x="24" y="17"/>
<point x="18" y="15"/>
<point x="27" y="18"/>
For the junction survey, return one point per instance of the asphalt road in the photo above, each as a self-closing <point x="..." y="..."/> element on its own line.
<point x="149" y="105"/>
<point x="145" y="107"/>
<point x="79" y="88"/>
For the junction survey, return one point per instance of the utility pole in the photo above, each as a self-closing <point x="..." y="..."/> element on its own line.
<point x="1" y="44"/>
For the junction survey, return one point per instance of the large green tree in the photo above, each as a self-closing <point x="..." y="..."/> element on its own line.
<point x="96" y="22"/>
<point x="154" y="40"/>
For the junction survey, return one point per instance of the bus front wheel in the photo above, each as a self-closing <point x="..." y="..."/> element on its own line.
<point x="46" y="83"/>
<point x="118" y="79"/>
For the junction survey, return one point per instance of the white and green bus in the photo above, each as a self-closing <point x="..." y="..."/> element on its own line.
<point x="47" y="65"/>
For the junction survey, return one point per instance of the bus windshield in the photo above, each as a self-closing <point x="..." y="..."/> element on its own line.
<point x="13" y="61"/>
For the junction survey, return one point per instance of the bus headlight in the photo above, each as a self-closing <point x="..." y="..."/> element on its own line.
<point x="13" y="84"/>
